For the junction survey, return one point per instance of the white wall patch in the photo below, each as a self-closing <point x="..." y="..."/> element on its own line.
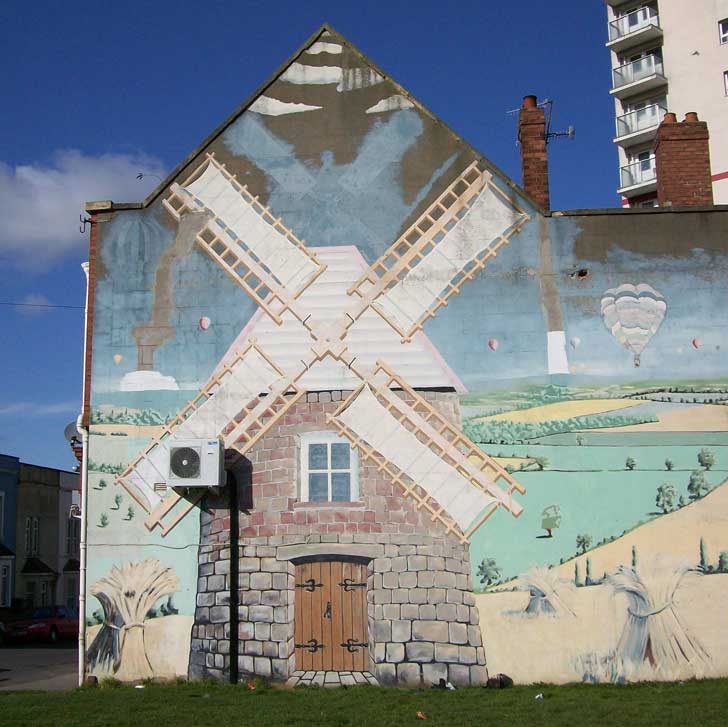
<point x="269" y="106"/>
<point x="393" y="103"/>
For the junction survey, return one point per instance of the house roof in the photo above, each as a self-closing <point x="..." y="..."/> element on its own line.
<point x="5" y="552"/>
<point x="35" y="566"/>
<point x="328" y="34"/>
<point x="72" y="566"/>
<point x="369" y="339"/>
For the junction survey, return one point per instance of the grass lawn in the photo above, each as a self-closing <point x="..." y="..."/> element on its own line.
<point x="196" y="704"/>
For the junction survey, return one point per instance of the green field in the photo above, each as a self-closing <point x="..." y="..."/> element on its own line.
<point x="196" y="705"/>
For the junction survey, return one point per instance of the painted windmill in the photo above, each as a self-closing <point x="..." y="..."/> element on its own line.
<point x="384" y="418"/>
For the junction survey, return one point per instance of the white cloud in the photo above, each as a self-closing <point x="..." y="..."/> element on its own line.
<point x="40" y="204"/>
<point x="29" y="408"/>
<point x="35" y="304"/>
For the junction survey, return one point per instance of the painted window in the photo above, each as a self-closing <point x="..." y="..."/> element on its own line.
<point x="5" y="586"/>
<point x="44" y="593"/>
<point x="329" y="469"/>
<point x="72" y="530"/>
<point x="723" y="28"/>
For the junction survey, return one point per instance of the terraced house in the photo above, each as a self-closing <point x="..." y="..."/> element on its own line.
<point x="359" y="408"/>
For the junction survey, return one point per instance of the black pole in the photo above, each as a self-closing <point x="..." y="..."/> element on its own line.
<point x="234" y="499"/>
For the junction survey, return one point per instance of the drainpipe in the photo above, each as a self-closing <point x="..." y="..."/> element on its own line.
<point x="83" y="431"/>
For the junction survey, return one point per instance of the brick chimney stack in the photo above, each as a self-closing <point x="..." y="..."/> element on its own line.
<point x="682" y="160"/>
<point x="534" y="161"/>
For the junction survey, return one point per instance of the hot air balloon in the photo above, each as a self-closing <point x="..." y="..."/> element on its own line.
<point x="575" y="341"/>
<point x="118" y="358"/>
<point x="204" y="323"/>
<point x="632" y="314"/>
<point x="696" y="343"/>
<point x="493" y="344"/>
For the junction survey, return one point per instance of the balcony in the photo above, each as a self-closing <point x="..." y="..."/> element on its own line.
<point x="639" y="26"/>
<point x="639" y="126"/>
<point x="638" y="178"/>
<point x="638" y="76"/>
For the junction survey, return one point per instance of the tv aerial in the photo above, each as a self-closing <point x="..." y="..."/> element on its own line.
<point x="548" y="105"/>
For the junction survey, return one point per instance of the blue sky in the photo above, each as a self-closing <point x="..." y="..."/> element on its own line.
<point x="95" y="92"/>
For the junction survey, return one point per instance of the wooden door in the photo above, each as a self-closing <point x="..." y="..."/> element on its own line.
<point x="331" y="616"/>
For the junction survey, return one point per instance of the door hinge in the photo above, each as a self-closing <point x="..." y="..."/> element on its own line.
<point x="351" y="645"/>
<point x="312" y="645"/>
<point x="310" y="585"/>
<point x="349" y="585"/>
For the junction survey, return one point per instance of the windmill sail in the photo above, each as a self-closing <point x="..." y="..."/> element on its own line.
<point x="431" y="460"/>
<point x="228" y="406"/>
<point x="454" y="239"/>
<point x="253" y="246"/>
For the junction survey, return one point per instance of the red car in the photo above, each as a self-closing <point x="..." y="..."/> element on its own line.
<point x="47" y="623"/>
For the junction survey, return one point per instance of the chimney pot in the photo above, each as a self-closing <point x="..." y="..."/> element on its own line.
<point x="530" y="102"/>
<point x="670" y="118"/>
<point x="691" y="116"/>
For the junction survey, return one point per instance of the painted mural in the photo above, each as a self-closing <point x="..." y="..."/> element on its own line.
<point x="488" y="421"/>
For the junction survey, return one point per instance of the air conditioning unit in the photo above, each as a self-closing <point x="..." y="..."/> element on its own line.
<point x="196" y="463"/>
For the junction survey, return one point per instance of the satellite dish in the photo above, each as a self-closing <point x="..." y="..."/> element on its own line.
<point x="70" y="432"/>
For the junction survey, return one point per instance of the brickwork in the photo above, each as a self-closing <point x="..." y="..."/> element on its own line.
<point x="534" y="158"/>
<point x="682" y="159"/>
<point x="422" y="619"/>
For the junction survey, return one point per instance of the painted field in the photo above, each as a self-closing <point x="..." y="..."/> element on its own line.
<point x="563" y="410"/>
<point x="705" y="519"/>
<point x="700" y="418"/>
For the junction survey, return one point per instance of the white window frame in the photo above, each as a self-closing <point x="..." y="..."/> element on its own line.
<point x="328" y="438"/>
<point x="723" y="31"/>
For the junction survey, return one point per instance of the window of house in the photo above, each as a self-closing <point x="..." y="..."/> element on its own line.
<point x="723" y="29"/>
<point x="72" y="530"/>
<point x="5" y="586"/>
<point x="44" y="593"/>
<point x="71" y="592"/>
<point x="32" y="536"/>
<point x="329" y="469"/>
<point x="30" y="594"/>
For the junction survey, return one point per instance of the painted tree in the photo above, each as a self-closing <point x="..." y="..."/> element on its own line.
<point x="488" y="572"/>
<point x="706" y="458"/>
<point x="630" y="463"/>
<point x="579" y="440"/>
<point x="704" y="566"/>
<point x="583" y="542"/>
<point x="577" y="574"/>
<point x="723" y="561"/>
<point x="681" y="501"/>
<point x="698" y="485"/>
<point x="669" y="464"/>
<point x="588" y="580"/>
<point x="666" y="497"/>
<point x="541" y="463"/>
<point x="634" y="556"/>
<point x="117" y="501"/>
<point x="103" y="520"/>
